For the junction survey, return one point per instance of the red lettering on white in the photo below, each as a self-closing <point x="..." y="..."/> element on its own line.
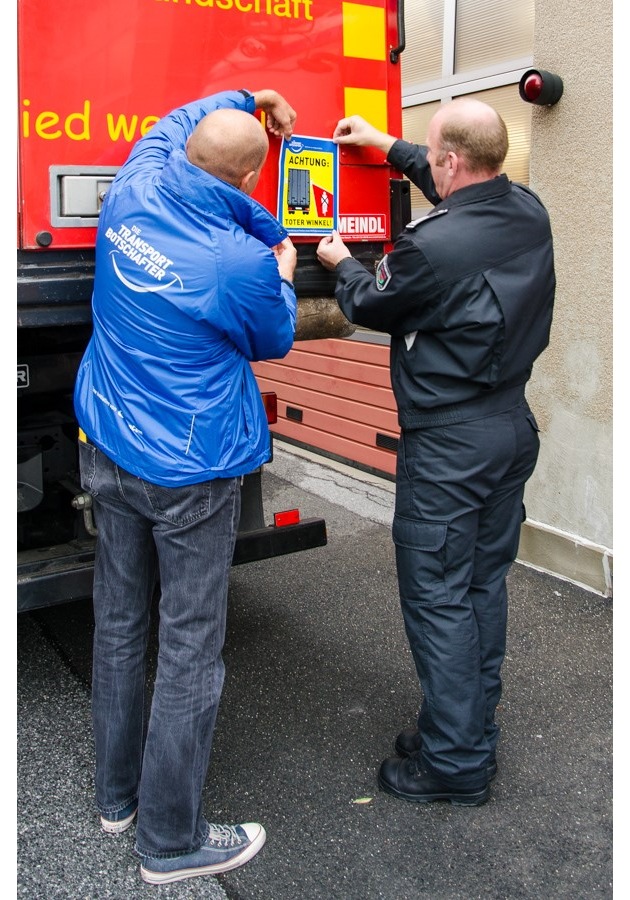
<point x="363" y="225"/>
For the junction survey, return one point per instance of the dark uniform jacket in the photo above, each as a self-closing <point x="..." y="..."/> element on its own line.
<point x="466" y="293"/>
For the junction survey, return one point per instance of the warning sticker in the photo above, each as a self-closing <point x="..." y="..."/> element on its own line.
<point x="308" y="185"/>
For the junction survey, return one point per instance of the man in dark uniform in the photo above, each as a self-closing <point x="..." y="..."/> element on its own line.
<point x="467" y="296"/>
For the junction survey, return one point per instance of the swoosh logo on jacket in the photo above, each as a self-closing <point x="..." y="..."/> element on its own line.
<point x="139" y="288"/>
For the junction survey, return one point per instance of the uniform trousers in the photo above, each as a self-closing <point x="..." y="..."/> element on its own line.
<point x="458" y="515"/>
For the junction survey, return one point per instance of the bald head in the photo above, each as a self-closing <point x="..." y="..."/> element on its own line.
<point x="475" y="132"/>
<point x="231" y="145"/>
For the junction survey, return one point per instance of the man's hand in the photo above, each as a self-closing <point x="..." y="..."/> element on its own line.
<point x="280" y="116"/>
<point x="331" y="250"/>
<point x="286" y="257"/>
<point x="355" y="130"/>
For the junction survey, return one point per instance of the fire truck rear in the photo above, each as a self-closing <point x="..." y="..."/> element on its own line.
<point x="93" y="78"/>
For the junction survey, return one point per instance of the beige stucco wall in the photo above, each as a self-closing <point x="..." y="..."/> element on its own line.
<point x="570" y="494"/>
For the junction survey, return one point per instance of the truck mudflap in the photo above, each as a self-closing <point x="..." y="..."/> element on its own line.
<point x="63" y="573"/>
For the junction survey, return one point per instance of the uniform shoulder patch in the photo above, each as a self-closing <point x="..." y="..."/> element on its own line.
<point x="383" y="274"/>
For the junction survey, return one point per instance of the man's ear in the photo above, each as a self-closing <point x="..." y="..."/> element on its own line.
<point x="249" y="181"/>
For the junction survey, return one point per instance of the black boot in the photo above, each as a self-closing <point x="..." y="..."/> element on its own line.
<point x="405" y="778"/>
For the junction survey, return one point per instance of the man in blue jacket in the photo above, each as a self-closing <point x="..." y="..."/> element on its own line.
<point x="467" y="296"/>
<point x="193" y="282"/>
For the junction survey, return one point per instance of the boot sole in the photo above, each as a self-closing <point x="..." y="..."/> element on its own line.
<point x="456" y="798"/>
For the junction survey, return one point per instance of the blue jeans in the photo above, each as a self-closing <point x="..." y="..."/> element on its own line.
<point x="459" y="510"/>
<point x="184" y="537"/>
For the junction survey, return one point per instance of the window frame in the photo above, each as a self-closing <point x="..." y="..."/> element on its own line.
<point x="450" y="84"/>
<point x="444" y="89"/>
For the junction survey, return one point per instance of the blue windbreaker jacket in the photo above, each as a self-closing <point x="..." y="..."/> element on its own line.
<point x="187" y="292"/>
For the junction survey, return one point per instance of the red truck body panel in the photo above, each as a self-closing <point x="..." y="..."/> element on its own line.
<point x="93" y="78"/>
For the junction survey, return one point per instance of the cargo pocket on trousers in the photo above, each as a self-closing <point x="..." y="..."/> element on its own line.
<point x="420" y="560"/>
<point x="531" y="418"/>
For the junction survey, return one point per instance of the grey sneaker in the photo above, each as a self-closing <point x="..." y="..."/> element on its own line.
<point x="227" y="847"/>
<point x="120" y="821"/>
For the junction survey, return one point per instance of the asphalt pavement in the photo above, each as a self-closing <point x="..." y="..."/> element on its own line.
<point x="319" y="680"/>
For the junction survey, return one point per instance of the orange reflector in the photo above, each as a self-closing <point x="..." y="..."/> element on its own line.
<point x="287" y="517"/>
<point x="270" y="402"/>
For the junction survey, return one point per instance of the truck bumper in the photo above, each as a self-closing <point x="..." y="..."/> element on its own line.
<point x="65" y="572"/>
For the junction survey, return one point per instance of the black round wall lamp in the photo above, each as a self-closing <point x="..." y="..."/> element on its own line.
<point x="540" y="87"/>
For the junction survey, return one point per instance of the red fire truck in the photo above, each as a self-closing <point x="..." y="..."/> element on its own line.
<point x="93" y="78"/>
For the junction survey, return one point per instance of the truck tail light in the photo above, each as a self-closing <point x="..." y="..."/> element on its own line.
<point x="270" y="402"/>
<point x="287" y="517"/>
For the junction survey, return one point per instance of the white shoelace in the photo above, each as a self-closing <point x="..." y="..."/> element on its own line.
<point x="224" y="835"/>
